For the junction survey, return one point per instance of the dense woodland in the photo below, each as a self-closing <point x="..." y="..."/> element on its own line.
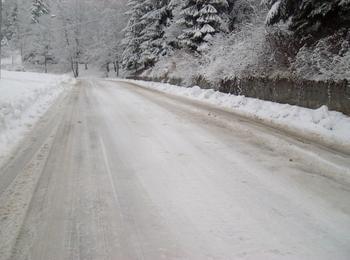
<point x="182" y="38"/>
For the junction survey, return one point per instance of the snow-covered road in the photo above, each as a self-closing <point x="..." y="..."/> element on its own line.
<point x="115" y="171"/>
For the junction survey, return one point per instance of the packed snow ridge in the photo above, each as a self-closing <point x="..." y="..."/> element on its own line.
<point x="24" y="98"/>
<point x="330" y="127"/>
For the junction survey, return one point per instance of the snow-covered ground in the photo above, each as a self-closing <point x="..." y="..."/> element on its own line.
<point x="24" y="98"/>
<point x="330" y="127"/>
<point x="129" y="173"/>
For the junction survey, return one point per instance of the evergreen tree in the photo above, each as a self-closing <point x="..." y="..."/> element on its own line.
<point x="202" y="19"/>
<point x="39" y="8"/>
<point x="310" y="17"/>
<point x="144" y="35"/>
<point x="172" y="31"/>
<point x="133" y="32"/>
<point x="152" y="39"/>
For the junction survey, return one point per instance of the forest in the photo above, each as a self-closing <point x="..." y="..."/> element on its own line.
<point x="185" y="39"/>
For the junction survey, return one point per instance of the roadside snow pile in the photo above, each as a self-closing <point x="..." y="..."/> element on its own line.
<point x="24" y="98"/>
<point x="329" y="126"/>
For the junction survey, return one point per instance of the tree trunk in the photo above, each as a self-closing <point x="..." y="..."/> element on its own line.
<point x="45" y="63"/>
<point x="46" y="54"/>
<point x="77" y="69"/>
<point x="21" y="49"/>
<point x="72" y="67"/>
<point x="116" y="67"/>
<point x="107" y="69"/>
<point x="86" y="66"/>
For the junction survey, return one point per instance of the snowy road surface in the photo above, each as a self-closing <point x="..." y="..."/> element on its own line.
<point x="114" y="171"/>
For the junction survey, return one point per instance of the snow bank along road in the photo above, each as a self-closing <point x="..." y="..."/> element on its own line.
<point x="115" y="171"/>
<point x="24" y="98"/>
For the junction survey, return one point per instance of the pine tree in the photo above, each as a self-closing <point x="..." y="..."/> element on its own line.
<point x="39" y="8"/>
<point x="133" y="32"/>
<point x="152" y="39"/>
<point x="310" y="17"/>
<point x="201" y="19"/>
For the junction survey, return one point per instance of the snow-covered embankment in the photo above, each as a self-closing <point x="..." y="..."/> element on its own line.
<point x="328" y="127"/>
<point x="24" y="98"/>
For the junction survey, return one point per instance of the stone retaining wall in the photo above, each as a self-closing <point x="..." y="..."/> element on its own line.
<point x="304" y="93"/>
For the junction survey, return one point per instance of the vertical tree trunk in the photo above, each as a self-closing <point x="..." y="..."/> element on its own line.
<point x="107" y="69"/>
<point x="21" y="50"/>
<point x="86" y="66"/>
<point x="116" y="67"/>
<point x="46" y="57"/>
<point x="45" y="63"/>
<point x="77" y="69"/>
<point x="72" y="67"/>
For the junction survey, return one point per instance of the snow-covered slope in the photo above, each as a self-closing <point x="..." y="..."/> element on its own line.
<point x="24" y="98"/>
<point x="329" y="127"/>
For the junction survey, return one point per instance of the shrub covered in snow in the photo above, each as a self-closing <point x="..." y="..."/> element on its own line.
<point x="329" y="58"/>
